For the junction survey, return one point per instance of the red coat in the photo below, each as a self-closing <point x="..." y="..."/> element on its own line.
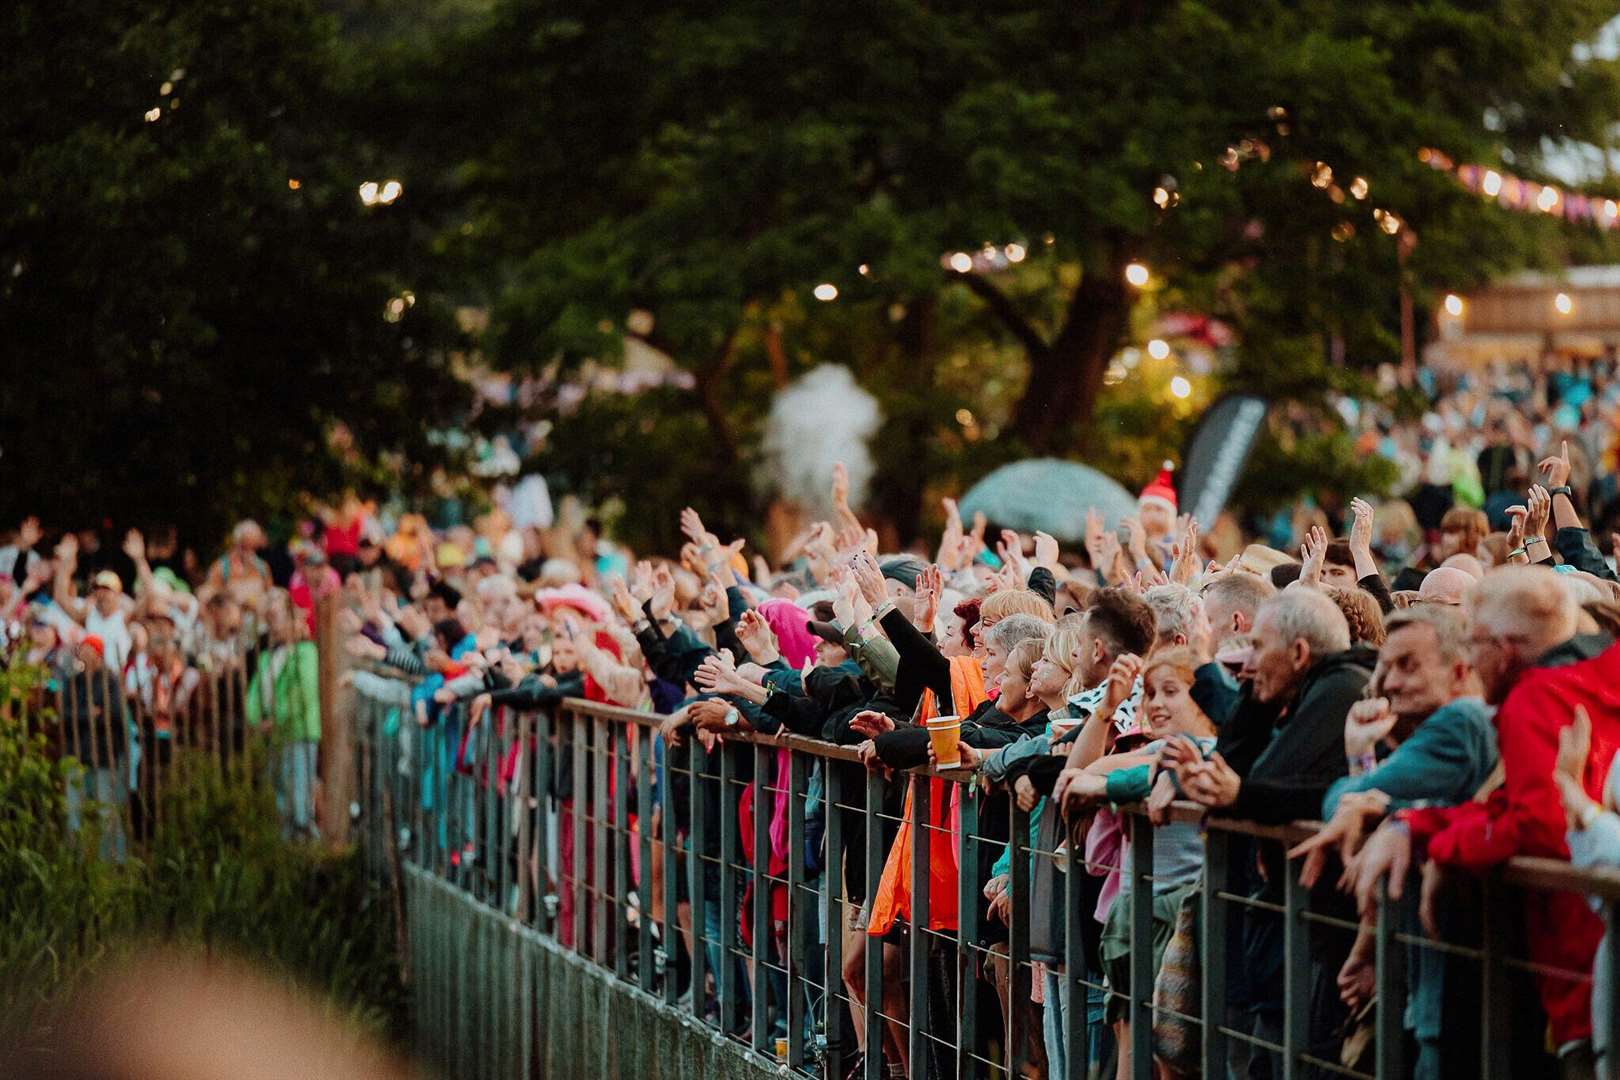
<point x="1525" y="816"/>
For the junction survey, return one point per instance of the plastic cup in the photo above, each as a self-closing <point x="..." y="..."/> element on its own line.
<point x="781" y="1049"/>
<point x="945" y="733"/>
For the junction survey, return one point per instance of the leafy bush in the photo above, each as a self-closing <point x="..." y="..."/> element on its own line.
<point x="217" y="876"/>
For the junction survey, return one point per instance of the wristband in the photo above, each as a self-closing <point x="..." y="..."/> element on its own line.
<point x="1534" y="540"/>
<point x="1561" y="489"/>
<point x="888" y="606"/>
<point x="1518" y="551"/>
<point x="1363" y="763"/>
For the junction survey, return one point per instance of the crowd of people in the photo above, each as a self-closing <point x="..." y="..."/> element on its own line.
<point x="1436" y="684"/>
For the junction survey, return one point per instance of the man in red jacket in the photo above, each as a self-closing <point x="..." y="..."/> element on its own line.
<point x="1536" y="670"/>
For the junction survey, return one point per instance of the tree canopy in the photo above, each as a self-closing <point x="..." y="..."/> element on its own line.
<point x="193" y="293"/>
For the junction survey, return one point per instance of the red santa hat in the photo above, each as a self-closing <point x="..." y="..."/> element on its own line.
<point x="1161" y="492"/>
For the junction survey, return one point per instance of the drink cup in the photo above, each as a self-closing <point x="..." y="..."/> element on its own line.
<point x="945" y="733"/>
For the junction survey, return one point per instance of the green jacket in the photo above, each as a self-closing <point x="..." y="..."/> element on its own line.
<point x="293" y="701"/>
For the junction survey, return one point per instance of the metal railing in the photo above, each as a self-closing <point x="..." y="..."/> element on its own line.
<point x="581" y="829"/>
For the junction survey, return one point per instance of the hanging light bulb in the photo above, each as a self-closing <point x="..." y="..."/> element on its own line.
<point x="961" y="262"/>
<point x="1491" y="183"/>
<point x="1564" y="304"/>
<point x="1137" y="274"/>
<point x="368" y="193"/>
<point x="1358" y="187"/>
<point x="1454" y="305"/>
<point x="826" y="291"/>
<point x="1015" y="253"/>
<point x="1158" y="348"/>
<point x="1180" y="387"/>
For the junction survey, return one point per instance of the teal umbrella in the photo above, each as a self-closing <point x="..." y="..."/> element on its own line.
<point x="1048" y="495"/>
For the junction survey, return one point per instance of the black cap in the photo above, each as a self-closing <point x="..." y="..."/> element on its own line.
<point x="825" y="631"/>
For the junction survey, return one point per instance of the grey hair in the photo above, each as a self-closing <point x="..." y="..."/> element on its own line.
<point x="1015" y="628"/>
<point x="1309" y="615"/>
<point x="1449" y="624"/>
<point x="1175" y="609"/>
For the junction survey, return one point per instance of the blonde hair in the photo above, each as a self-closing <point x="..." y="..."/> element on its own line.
<point x="1021" y="660"/>
<point x="1000" y="605"/>
<point x="1180" y="658"/>
<point x="1060" y="647"/>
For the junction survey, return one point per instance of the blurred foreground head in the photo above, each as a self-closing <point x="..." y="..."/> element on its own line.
<point x="170" y="1016"/>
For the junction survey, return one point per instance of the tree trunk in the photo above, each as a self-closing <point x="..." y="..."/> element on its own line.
<point x="1066" y="376"/>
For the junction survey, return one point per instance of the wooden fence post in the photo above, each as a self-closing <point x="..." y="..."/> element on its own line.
<point x="337" y="730"/>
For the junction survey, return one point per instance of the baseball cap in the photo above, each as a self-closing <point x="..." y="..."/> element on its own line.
<point x="825" y="631"/>
<point x="107" y="579"/>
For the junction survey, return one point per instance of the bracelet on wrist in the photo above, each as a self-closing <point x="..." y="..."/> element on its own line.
<point x="1534" y="540"/>
<point x="1517" y="551"/>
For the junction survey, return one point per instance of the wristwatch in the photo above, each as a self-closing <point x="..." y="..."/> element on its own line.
<point x="732" y="717"/>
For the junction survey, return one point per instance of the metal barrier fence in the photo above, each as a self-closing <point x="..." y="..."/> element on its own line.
<point x="659" y="867"/>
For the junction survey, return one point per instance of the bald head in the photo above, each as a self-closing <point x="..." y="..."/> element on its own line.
<point x="1445" y="585"/>
<point x="1468" y="564"/>
<point x="1525" y="603"/>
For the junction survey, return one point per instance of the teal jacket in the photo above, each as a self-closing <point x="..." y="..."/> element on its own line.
<point x="1444" y="761"/>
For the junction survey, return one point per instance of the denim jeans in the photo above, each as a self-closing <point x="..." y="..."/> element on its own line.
<point x="295" y="789"/>
<point x="1054" y="1023"/>
<point x="108" y="790"/>
<point x="714" y="949"/>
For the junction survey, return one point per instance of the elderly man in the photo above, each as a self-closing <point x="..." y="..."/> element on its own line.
<point x="1276" y="757"/>
<point x="1534" y="667"/>
<point x="1444" y="749"/>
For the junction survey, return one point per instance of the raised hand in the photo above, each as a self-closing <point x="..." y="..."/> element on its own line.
<point x="692" y="526"/>
<point x="1138" y="538"/>
<point x="1361" y="528"/>
<point x="663" y="595"/>
<point x="623" y="603"/>
<point x="930" y="585"/>
<point x="757" y="637"/>
<point x="840" y="486"/>
<point x="641" y="583"/>
<point x="1366" y="725"/>
<point x="1540" y="509"/>
<point x="1121" y="681"/>
<point x="950" y="541"/>
<point x="869" y="578"/>
<point x="1312" y="552"/>
<point x="1046" y="550"/>
<point x="1186" y="556"/>
<point x="1555" y="469"/>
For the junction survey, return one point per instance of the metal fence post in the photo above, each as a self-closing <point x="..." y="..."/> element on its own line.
<point x="1018" y="884"/>
<point x="1141" y="989"/>
<point x="921" y="863"/>
<point x="1212" y="948"/>
<point x="967" y="934"/>
<point x="601" y="903"/>
<point x="760" y="946"/>
<point x="696" y="841"/>
<point x="1496" y="998"/>
<point x="668" y="852"/>
<point x="544" y="876"/>
<point x="726" y="977"/>
<point x="800" y="923"/>
<point x="1076" y="1017"/>
<point x="580" y="800"/>
<point x="875" y="852"/>
<point x="1391" y="1001"/>
<point x="645" y="774"/>
<point x="832" y="880"/>
<point x="1296" y="974"/>
<point x="622" y="737"/>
